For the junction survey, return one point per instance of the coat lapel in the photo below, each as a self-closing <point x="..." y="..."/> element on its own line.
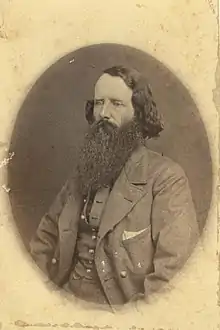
<point x="127" y="191"/>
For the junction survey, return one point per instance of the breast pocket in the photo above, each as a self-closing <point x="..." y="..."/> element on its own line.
<point x="128" y="235"/>
<point x="138" y="250"/>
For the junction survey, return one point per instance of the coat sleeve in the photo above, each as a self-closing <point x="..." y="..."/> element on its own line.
<point x="44" y="242"/>
<point x="174" y="226"/>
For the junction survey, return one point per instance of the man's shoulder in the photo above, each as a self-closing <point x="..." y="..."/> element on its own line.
<point x="158" y="163"/>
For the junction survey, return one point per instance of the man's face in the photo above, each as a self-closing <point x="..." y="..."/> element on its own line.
<point x="111" y="138"/>
<point x="113" y="101"/>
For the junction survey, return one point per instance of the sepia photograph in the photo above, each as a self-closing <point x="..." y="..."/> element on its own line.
<point x="109" y="165"/>
<point x="126" y="217"/>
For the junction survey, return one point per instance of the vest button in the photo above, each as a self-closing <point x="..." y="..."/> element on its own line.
<point x="83" y="217"/>
<point x="123" y="274"/>
<point x="91" y="251"/>
<point x="75" y="276"/>
<point x="54" y="261"/>
<point x="94" y="237"/>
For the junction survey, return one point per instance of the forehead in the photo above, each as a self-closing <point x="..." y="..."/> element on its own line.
<point x="112" y="87"/>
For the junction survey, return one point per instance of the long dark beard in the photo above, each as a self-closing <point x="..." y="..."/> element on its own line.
<point x="105" y="150"/>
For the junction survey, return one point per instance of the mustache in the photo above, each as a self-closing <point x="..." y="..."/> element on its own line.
<point x="105" y="125"/>
<point x="104" y="122"/>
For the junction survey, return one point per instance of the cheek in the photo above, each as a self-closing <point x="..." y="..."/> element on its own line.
<point x="127" y="115"/>
<point x="96" y="112"/>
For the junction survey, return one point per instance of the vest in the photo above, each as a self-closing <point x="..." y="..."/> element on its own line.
<point x="84" y="281"/>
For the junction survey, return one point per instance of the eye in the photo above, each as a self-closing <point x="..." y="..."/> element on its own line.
<point x="99" y="102"/>
<point x="117" y="103"/>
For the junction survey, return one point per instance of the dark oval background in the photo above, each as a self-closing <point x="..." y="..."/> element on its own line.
<point x="50" y="124"/>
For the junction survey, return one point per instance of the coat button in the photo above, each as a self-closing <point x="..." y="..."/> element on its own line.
<point x="54" y="261"/>
<point x="123" y="274"/>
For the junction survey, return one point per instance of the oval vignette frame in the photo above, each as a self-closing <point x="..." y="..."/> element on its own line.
<point x="50" y="124"/>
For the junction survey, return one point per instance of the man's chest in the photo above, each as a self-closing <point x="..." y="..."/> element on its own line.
<point x="95" y="209"/>
<point x="122" y="229"/>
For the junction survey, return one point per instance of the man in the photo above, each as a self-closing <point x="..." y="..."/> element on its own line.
<point x="124" y="223"/>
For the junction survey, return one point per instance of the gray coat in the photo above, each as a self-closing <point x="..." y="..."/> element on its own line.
<point x="147" y="231"/>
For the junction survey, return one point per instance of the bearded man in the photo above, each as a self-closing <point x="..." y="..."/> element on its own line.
<point x="124" y="223"/>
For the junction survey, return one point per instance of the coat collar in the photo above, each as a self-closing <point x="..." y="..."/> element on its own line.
<point x="136" y="167"/>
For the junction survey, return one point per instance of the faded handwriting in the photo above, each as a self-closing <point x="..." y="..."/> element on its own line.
<point x="23" y="324"/>
<point x="76" y="325"/>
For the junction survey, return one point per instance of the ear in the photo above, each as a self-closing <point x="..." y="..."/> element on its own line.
<point x="89" y="111"/>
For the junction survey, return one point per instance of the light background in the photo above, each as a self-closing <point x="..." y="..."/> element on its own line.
<point x="183" y="35"/>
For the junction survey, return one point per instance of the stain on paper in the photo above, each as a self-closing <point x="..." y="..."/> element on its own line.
<point x="7" y="189"/>
<point x="6" y="161"/>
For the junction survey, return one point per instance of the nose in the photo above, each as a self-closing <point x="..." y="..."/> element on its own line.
<point x="105" y="112"/>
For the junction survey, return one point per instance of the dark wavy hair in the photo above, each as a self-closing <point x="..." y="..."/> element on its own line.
<point x="146" y="112"/>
